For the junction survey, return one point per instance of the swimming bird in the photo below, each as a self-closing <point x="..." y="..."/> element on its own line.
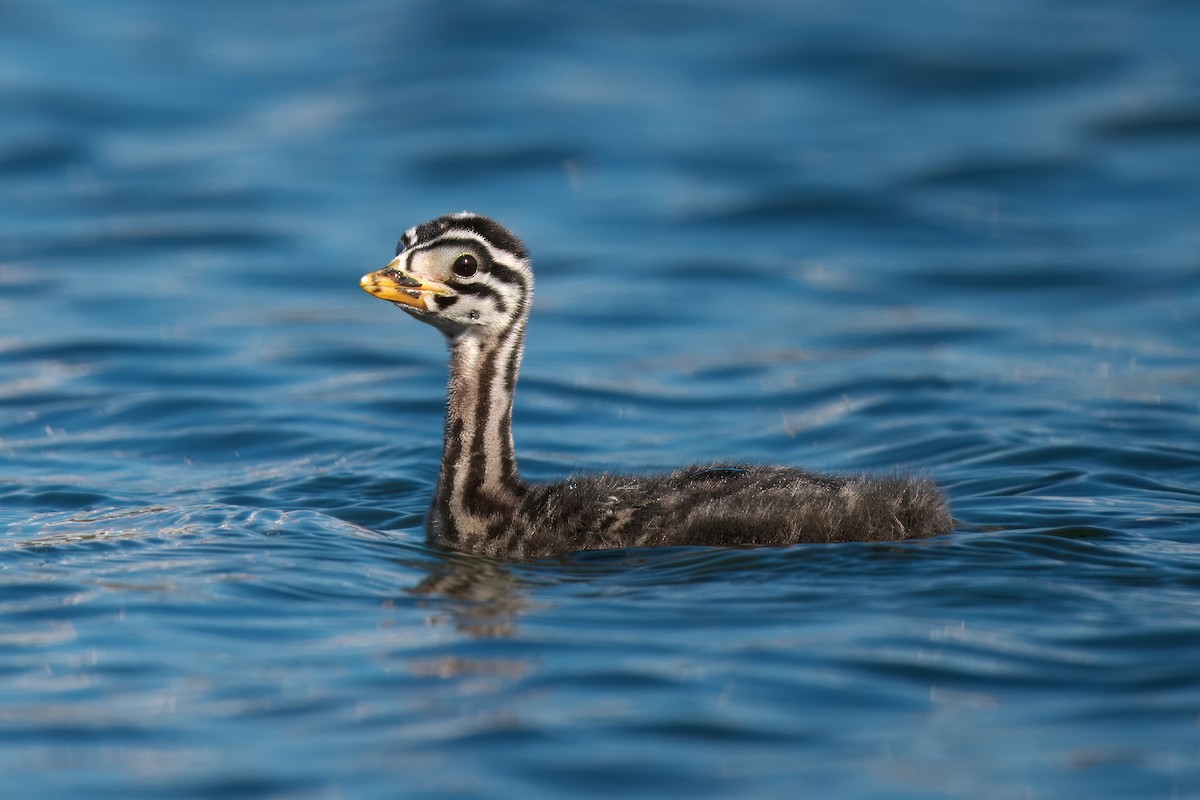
<point x="471" y="278"/>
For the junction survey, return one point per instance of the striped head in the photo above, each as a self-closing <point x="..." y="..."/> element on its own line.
<point x="462" y="273"/>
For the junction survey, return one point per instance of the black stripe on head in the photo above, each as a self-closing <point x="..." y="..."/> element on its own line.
<point x="430" y="230"/>
<point x="482" y="290"/>
<point x="507" y="275"/>
<point x="469" y="245"/>
<point x="493" y="233"/>
<point x="486" y="262"/>
<point x="487" y="229"/>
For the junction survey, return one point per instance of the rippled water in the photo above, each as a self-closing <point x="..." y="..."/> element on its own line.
<point x="956" y="238"/>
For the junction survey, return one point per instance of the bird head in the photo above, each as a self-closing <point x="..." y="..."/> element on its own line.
<point x="465" y="274"/>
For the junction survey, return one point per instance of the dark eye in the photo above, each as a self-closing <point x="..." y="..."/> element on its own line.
<point x="465" y="265"/>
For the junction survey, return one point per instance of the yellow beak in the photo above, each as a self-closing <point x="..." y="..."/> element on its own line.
<point x="394" y="284"/>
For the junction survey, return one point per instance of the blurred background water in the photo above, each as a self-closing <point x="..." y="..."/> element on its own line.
<point x="958" y="238"/>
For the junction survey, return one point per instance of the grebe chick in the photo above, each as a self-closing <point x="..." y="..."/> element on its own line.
<point x="471" y="278"/>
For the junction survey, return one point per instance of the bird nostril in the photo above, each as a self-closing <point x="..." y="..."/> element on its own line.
<point x="402" y="278"/>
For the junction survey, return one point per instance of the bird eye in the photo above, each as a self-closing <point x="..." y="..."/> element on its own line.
<point x="465" y="265"/>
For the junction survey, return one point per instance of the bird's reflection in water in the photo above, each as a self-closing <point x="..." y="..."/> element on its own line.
<point x="482" y="598"/>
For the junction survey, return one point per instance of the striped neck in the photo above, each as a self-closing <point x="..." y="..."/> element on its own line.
<point x="479" y="487"/>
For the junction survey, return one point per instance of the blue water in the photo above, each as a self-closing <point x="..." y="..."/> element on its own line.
<point x="957" y="238"/>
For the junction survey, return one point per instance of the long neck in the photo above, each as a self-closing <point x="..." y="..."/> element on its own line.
<point x="479" y="487"/>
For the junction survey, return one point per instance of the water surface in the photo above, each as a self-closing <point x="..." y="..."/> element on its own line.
<point x="954" y="238"/>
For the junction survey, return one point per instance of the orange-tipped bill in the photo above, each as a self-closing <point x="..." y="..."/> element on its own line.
<point x="398" y="286"/>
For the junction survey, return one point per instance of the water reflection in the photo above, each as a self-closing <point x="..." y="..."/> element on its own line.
<point x="484" y="597"/>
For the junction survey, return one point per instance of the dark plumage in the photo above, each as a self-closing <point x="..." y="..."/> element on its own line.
<point x="756" y="505"/>
<point x="471" y="278"/>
